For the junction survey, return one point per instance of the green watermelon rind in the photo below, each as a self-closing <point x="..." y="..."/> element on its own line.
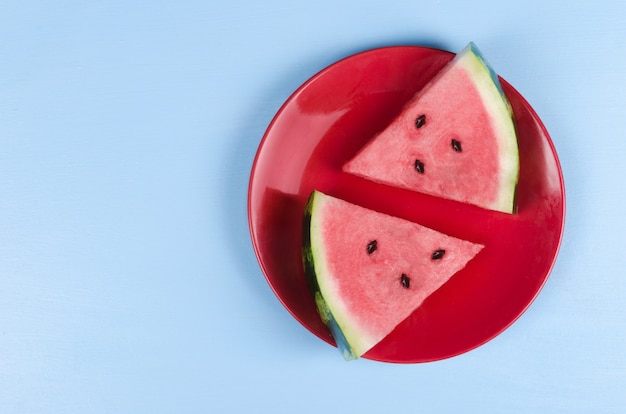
<point x="497" y="104"/>
<point x="314" y="271"/>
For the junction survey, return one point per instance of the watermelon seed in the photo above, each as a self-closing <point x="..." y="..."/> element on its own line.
<point x="420" y="121"/>
<point x="404" y="279"/>
<point x="438" y="254"/>
<point x="419" y="166"/>
<point x="456" y="145"/>
<point x="371" y="246"/>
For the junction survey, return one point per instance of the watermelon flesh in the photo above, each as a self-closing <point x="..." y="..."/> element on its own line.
<point x="369" y="271"/>
<point x="454" y="139"/>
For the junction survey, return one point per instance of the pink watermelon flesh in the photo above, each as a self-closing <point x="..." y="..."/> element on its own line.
<point x="369" y="271"/>
<point x="458" y="131"/>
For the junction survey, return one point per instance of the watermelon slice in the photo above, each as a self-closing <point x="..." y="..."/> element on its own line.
<point x="454" y="139"/>
<point x="369" y="271"/>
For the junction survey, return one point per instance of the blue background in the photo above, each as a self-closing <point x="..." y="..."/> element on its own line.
<point x="128" y="282"/>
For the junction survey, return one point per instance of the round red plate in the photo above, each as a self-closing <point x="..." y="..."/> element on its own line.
<point x="323" y="124"/>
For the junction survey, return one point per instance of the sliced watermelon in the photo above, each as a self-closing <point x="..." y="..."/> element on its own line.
<point x="454" y="139"/>
<point x="369" y="271"/>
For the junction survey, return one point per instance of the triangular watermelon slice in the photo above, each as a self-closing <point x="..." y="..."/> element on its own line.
<point x="454" y="139"/>
<point x="369" y="271"/>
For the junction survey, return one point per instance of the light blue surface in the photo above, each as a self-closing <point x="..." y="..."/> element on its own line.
<point x="128" y="283"/>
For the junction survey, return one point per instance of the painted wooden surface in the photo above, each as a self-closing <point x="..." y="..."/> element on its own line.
<point x="128" y="282"/>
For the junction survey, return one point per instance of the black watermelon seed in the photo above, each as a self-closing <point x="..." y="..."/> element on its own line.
<point x="420" y="121"/>
<point x="456" y="145"/>
<point x="438" y="254"/>
<point x="372" y="246"/>
<point x="406" y="282"/>
<point x="419" y="166"/>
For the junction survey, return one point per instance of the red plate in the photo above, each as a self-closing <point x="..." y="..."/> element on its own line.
<point x="323" y="124"/>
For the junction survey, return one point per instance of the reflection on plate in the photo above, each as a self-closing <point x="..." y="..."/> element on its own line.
<point x="323" y="124"/>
